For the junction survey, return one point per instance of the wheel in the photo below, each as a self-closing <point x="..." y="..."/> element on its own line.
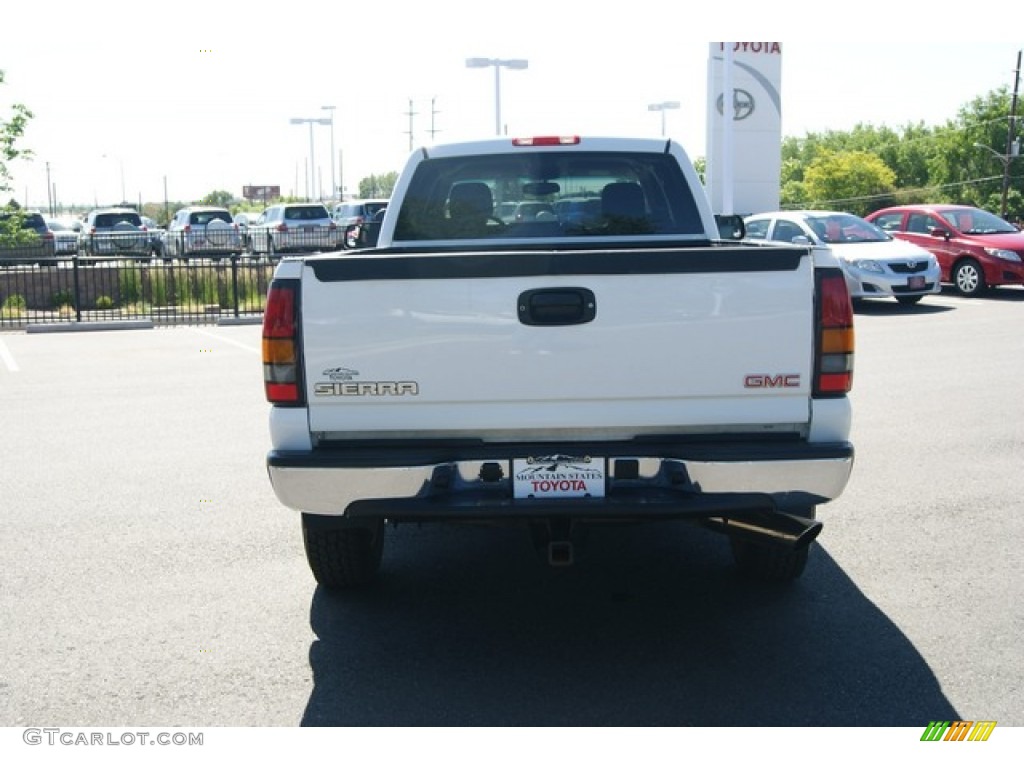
<point x="909" y="299"/>
<point x="768" y="562"/>
<point x="342" y="557"/>
<point x="126" y="236"/>
<point x="969" y="277"/>
<point x="271" y="250"/>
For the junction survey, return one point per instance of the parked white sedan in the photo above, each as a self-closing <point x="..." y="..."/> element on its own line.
<point x="876" y="264"/>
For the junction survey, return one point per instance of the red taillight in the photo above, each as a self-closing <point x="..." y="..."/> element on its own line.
<point x="187" y="228"/>
<point x="281" y="373"/>
<point x="282" y="227"/>
<point x="833" y="369"/>
<point x="545" y="141"/>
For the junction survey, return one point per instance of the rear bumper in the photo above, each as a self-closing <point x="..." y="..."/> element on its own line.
<point x="665" y="481"/>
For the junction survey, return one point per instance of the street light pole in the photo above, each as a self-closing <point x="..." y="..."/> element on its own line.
<point x="312" y="163"/>
<point x="478" y="63"/>
<point x="661" y="107"/>
<point x="334" y="181"/>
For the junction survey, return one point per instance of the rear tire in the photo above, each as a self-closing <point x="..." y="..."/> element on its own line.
<point x="342" y="556"/>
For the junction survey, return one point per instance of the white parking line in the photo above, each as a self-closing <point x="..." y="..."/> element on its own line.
<point x="8" y="358"/>
<point x="247" y="347"/>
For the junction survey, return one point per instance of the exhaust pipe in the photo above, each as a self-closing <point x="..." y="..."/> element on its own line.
<point x="779" y="528"/>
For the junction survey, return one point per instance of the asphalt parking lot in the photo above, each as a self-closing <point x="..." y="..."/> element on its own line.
<point x="151" y="577"/>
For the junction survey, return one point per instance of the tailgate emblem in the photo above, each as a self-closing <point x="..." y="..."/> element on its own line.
<point x="768" y="381"/>
<point x="341" y="374"/>
<point x="365" y="388"/>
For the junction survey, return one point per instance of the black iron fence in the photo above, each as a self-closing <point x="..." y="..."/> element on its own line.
<point x="199" y="291"/>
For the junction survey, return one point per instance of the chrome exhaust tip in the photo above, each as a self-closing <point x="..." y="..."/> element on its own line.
<point x="779" y="528"/>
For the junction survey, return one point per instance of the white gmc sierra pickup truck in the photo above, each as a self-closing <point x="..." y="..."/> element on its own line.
<point x="552" y="332"/>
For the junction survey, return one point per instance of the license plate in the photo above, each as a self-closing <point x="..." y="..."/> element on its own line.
<point x="916" y="282"/>
<point x="558" y="476"/>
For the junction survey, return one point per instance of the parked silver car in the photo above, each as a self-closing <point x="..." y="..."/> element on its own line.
<point x="294" y="228"/>
<point x="65" y="234"/>
<point x="202" y="230"/>
<point x="876" y="264"/>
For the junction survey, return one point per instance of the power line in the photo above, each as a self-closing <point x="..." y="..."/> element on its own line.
<point x="888" y="195"/>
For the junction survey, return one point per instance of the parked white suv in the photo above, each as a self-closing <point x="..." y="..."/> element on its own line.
<point x="202" y="230"/>
<point x="294" y="228"/>
<point x="111" y="233"/>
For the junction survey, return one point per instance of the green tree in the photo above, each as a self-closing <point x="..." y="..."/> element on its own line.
<point x="11" y="130"/>
<point x="851" y="181"/>
<point x="375" y="186"/>
<point x="219" y="198"/>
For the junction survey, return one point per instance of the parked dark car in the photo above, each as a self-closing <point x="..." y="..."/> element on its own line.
<point x="349" y="215"/>
<point x="34" y="244"/>
<point x="976" y="249"/>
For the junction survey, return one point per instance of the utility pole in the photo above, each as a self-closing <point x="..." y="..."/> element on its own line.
<point x="1011" y="137"/>
<point x="410" y="113"/>
<point x="49" y="189"/>
<point x="433" y="113"/>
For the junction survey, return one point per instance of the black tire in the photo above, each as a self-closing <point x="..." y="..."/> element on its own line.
<point x="908" y="300"/>
<point x="271" y="250"/>
<point x="969" y="278"/>
<point x="770" y="563"/>
<point x="342" y="557"/>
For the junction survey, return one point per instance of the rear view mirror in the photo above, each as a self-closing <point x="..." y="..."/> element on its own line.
<point x="361" y="235"/>
<point x="541" y="188"/>
<point x="730" y="227"/>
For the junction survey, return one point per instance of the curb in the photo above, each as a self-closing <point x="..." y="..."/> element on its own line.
<point x="122" y="325"/>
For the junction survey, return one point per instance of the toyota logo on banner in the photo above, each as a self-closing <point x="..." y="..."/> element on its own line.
<point x="742" y="104"/>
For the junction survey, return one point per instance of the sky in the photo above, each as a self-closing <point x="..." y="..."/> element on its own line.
<point x="175" y="101"/>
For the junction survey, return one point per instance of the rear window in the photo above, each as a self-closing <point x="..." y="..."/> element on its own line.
<point x="612" y="193"/>
<point x="113" y="219"/>
<point x="306" y="212"/>
<point x="202" y="218"/>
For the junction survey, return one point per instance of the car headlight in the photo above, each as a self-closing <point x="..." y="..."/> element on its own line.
<point x="868" y="265"/>
<point x="1002" y="253"/>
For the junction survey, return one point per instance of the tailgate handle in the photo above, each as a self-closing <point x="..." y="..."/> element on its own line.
<point x="557" y="306"/>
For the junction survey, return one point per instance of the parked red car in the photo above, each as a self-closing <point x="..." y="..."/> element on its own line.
<point x="975" y="249"/>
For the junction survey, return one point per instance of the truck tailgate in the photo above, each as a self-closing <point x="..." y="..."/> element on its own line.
<point x="491" y="344"/>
